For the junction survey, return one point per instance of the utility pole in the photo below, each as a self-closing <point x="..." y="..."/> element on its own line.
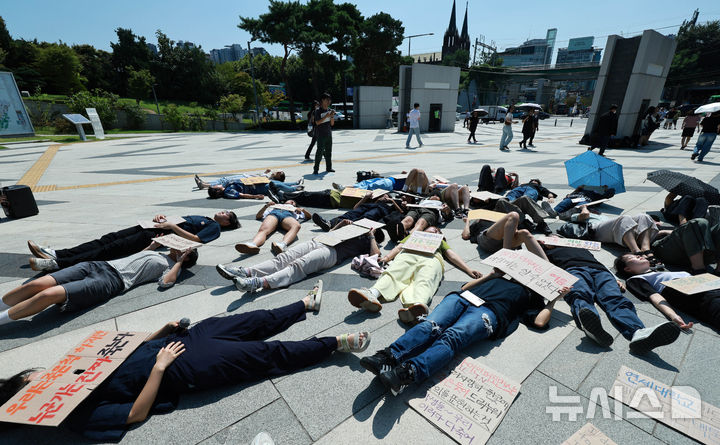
<point x="252" y="73"/>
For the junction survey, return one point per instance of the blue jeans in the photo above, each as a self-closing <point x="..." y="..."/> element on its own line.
<point x="262" y="189"/>
<point x="376" y="183"/>
<point x="524" y="190"/>
<point x="416" y="132"/>
<point x="507" y="135"/>
<point x="281" y="214"/>
<point x="595" y="285"/>
<point x="703" y="144"/>
<point x="454" y="324"/>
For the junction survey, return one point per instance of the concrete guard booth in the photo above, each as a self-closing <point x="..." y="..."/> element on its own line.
<point x="632" y="75"/>
<point x="371" y="105"/>
<point x="435" y="88"/>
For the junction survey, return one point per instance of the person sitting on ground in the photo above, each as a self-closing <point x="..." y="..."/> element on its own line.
<point x="120" y="244"/>
<point x="597" y="284"/>
<point x="378" y="211"/>
<point x="90" y="283"/>
<point x="498" y="182"/>
<point x="288" y="220"/>
<point x="414" y="277"/>
<point x="278" y="176"/>
<point x="420" y="218"/>
<point x="502" y="234"/>
<point x="455" y="324"/>
<point x="679" y="211"/>
<point x="572" y="202"/>
<point x="296" y="263"/>
<point x="217" y="352"/>
<point x="647" y="285"/>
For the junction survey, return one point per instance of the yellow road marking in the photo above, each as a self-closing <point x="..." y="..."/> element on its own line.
<point x="228" y="172"/>
<point x="33" y="175"/>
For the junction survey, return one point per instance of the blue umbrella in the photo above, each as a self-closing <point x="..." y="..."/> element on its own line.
<point x="592" y="169"/>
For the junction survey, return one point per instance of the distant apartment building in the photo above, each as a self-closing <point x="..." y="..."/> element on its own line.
<point x="232" y="53"/>
<point x="532" y="52"/>
<point x="579" y="50"/>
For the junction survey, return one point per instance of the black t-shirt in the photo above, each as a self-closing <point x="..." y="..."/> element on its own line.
<point x="710" y="124"/>
<point x="511" y="302"/>
<point x="207" y="229"/>
<point x="352" y="248"/>
<point x="323" y="129"/>
<point x="565" y="257"/>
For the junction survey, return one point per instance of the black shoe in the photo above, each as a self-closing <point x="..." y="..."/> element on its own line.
<point x="398" y="378"/>
<point x="693" y="156"/>
<point x="381" y="361"/>
<point x="272" y="191"/>
<point x="591" y="325"/>
<point x="329" y="171"/>
<point x="315" y="172"/>
<point x="379" y="236"/>
<point x="321" y="222"/>
<point x="544" y="228"/>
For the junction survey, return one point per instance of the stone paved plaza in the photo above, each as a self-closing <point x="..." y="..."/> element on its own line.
<point x="94" y="188"/>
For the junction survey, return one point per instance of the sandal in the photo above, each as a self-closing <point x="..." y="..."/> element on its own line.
<point x="363" y="299"/>
<point x="360" y="342"/>
<point x="316" y="296"/>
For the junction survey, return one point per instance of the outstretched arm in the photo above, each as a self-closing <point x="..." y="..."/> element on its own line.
<point x="178" y="231"/>
<point x="458" y="262"/>
<point x="496" y="273"/>
<point x="663" y="306"/>
<point x="543" y="318"/>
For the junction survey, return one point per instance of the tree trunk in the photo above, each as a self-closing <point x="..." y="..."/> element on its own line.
<point x="283" y="74"/>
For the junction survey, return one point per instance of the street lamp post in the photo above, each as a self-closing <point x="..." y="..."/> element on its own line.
<point x="252" y="73"/>
<point x="409" y="39"/>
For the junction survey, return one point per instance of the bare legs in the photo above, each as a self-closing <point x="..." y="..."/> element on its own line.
<point x="291" y="227"/>
<point x="33" y="297"/>
<point x="266" y="229"/>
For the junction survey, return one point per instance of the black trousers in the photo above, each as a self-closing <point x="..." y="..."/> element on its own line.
<point x="372" y="211"/>
<point x="228" y="350"/>
<point x="312" y="144"/>
<point x="472" y="133"/>
<point x="312" y="199"/>
<point x="488" y="183"/>
<point x="110" y="246"/>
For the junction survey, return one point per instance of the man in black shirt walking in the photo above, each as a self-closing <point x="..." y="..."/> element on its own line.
<point x="607" y="127"/>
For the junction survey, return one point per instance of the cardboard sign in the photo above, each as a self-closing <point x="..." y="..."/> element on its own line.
<point x="288" y="207"/>
<point x="485" y="196"/>
<point x="369" y="224"/>
<point x="590" y="204"/>
<point x="252" y="180"/>
<point x="466" y="400"/>
<point x="670" y="405"/>
<point x="486" y="215"/>
<point x="424" y="242"/>
<point x="472" y="298"/>
<point x="589" y="435"/>
<point x="344" y="233"/>
<point x="148" y="224"/>
<point x="351" y="192"/>
<point x="695" y="284"/>
<point x="173" y="241"/>
<point x="531" y="271"/>
<point x="51" y="396"/>
<point x="569" y="242"/>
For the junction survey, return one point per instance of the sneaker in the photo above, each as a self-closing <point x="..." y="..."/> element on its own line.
<point x="338" y="187"/>
<point x="647" y="339"/>
<point x="548" y="209"/>
<point x="277" y="248"/>
<point x="544" y="228"/>
<point x="591" y="325"/>
<point x="364" y="299"/>
<point x="410" y="314"/>
<point x="41" y="252"/>
<point x="251" y="285"/>
<point x="198" y="182"/>
<point x="272" y="193"/>
<point x="381" y="361"/>
<point x="301" y="181"/>
<point x="247" y="248"/>
<point x="693" y="156"/>
<point x="43" y="264"/>
<point x="231" y="272"/>
<point x="398" y="378"/>
<point x="321" y="222"/>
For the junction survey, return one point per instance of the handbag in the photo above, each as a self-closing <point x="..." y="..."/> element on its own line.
<point x="367" y="266"/>
<point x="311" y="130"/>
<point x="576" y="231"/>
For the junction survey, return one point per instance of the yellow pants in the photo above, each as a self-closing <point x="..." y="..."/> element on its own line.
<point x="413" y="277"/>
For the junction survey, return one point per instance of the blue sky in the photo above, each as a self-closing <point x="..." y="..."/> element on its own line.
<point x="213" y="23"/>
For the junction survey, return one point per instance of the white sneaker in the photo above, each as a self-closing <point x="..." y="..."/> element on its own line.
<point x="277" y="248"/>
<point x="251" y="285"/>
<point x="43" y="265"/>
<point x="647" y="339"/>
<point x="230" y="272"/>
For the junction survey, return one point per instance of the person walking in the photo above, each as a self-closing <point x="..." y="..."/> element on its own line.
<point x="472" y="125"/>
<point x="607" y="127"/>
<point x="688" y="127"/>
<point x="414" y="125"/>
<point x="710" y="127"/>
<point x="324" y="121"/>
<point x="536" y="125"/>
<point x="311" y="129"/>
<point x="507" y="133"/>
<point x="527" y="130"/>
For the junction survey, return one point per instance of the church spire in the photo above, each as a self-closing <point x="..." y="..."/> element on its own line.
<point x="464" y="34"/>
<point x="452" y="27"/>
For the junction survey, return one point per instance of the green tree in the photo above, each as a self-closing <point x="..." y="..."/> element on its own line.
<point x="696" y="55"/>
<point x="346" y="28"/>
<point x="96" y="67"/>
<point x="281" y="25"/>
<point x="60" y="68"/>
<point x="459" y="58"/>
<point x="375" y="55"/>
<point x="129" y="51"/>
<point x="139" y="84"/>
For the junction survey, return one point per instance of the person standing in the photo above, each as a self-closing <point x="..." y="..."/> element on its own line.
<point x="536" y="125"/>
<point x="414" y="125"/>
<point x="710" y="127"/>
<point x="389" y="123"/>
<point x="507" y="133"/>
<point x="324" y="121"/>
<point x="607" y="127"/>
<point x="688" y="127"/>
<point x="311" y="128"/>
<point x="472" y="125"/>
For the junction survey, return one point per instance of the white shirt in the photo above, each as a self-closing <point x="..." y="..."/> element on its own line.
<point x="414" y="118"/>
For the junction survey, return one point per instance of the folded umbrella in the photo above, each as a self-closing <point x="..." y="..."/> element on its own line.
<point x="592" y="169"/>
<point x="684" y="185"/>
<point x="708" y="108"/>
